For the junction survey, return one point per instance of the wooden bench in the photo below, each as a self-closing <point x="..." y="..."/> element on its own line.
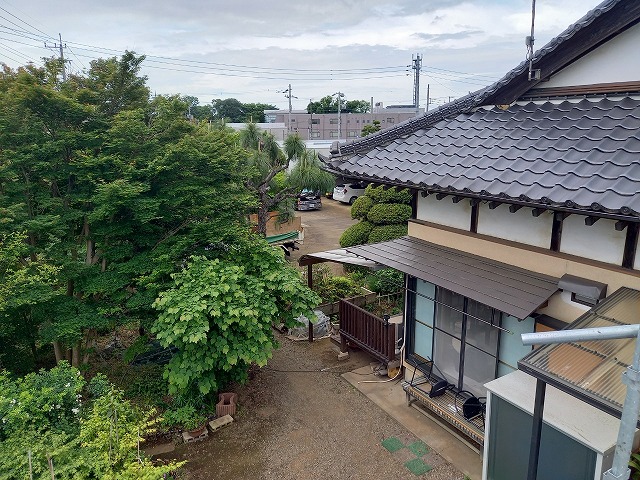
<point x="444" y="407"/>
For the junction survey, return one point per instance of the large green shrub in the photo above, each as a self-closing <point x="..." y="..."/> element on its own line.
<point x="219" y="315"/>
<point x="389" y="213"/>
<point x="392" y="195"/>
<point x="386" y="281"/>
<point x="361" y="207"/>
<point x="384" y="233"/>
<point x="356" y="234"/>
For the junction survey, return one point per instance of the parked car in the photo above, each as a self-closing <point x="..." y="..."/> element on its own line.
<point x="349" y="192"/>
<point x="308" y="200"/>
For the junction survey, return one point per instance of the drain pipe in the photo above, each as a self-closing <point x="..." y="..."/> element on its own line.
<point x="631" y="378"/>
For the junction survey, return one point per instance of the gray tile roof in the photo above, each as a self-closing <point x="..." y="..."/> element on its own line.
<point x="576" y="40"/>
<point x="583" y="154"/>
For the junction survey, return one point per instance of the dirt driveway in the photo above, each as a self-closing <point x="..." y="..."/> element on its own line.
<point x="322" y="230"/>
<point x="299" y="419"/>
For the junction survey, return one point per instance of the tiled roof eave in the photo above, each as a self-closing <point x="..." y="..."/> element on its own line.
<point x="624" y="213"/>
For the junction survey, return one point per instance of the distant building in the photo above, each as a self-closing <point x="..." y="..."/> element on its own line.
<point x="327" y="126"/>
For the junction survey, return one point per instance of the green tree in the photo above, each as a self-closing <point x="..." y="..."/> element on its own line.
<point x="43" y="419"/>
<point x="229" y="109"/>
<point x="254" y="112"/>
<point x="269" y="181"/>
<point x="114" y="195"/>
<point x="329" y="104"/>
<point x="219" y="315"/>
<point x="370" y="128"/>
<point x="357" y="106"/>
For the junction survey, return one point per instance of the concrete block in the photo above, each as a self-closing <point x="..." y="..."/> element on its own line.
<point x="220" y="422"/>
<point x="343" y="355"/>
<point x="188" y="438"/>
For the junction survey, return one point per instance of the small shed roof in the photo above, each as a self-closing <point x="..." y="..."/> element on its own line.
<point x="510" y="289"/>
<point x="591" y="370"/>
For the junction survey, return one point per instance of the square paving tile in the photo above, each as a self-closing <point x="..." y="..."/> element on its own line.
<point x="419" y="448"/>
<point x="417" y="466"/>
<point x="392" y="444"/>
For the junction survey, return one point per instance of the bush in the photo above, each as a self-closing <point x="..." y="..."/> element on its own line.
<point x="389" y="213"/>
<point x="384" y="233"/>
<point x="361" y="207"/>
<point x="392" y="195"/>
<point x="356" y="234"/>
<point x="335" y="288"/>
<point x="386" y="281"/>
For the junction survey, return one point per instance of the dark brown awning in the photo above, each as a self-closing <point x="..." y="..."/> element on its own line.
<point x="510" y="289"/>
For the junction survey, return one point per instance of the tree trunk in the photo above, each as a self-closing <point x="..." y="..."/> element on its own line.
<point x="263" y="217"/>
<point x="75" y="354"/>
<point x="57" y="348"/>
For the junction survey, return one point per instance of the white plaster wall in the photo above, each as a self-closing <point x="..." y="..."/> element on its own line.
<point x="616" y="61"/>
<point x="601" y="241"/>
<point x="520" y="226"/>
<point x="445" y="212"/>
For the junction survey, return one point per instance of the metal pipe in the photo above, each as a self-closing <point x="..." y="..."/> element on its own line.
<point x="581" y="335"/>
<point x="536" y="430"/>
<point x="628" y="421"/>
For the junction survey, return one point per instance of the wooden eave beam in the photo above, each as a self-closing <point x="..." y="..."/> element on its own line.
<point x="536" y="212"/>
<point x="514" y="208"/>
<point x="621" y="225"/>
<point x="493" y="205"/>
<point x="588" y="221"/>
<point x="440" y="196"/>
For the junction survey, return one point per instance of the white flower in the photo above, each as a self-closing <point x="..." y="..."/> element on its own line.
<point x="67" y="385"/>
<point x="58" y="406"/>
<point x="75" y="410"/>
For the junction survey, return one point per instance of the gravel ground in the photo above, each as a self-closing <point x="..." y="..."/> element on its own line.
<point x="296" y="422"/>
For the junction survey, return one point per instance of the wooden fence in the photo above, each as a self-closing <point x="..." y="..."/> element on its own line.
<point x="367" y="331"/>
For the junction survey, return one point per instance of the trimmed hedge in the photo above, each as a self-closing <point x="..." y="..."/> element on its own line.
<point x="386" y="232"/>
<point x="356" y="234"/>
<point x="392" y="195"/>
<point x="361" y="207"/>
<point x="389" y="213"/>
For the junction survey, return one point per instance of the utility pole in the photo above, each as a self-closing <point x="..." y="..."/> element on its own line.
<point x="417" y="65"/>
<point x="340" y="95"/>
<point x="61" y="48"/>
<point x="427" y="97"/>
<point x="287" y="92"/>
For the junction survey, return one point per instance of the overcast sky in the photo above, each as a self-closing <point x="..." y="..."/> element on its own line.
<point x="252" y="50"/>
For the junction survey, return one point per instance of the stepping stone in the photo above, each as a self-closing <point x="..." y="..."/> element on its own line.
<point x="159" y="449"/>
<point x="220" y="422"/>
<point x="392" y="444"/>
<point x="417" y="466"/>
<point x="419" y="448"/>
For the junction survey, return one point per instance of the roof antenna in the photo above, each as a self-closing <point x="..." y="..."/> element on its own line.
<point x="534" y="73"/>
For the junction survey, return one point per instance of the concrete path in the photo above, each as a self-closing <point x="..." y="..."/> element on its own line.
<point x="390" y="397"/>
